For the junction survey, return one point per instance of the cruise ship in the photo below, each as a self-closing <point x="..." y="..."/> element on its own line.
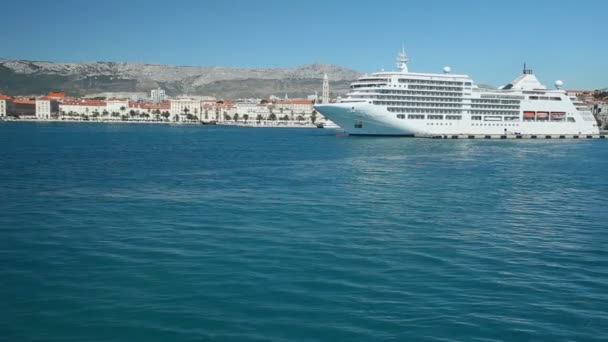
<point x="404" y="103"/>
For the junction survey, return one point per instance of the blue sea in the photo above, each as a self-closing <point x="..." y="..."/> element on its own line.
<point x="126" y="232"/>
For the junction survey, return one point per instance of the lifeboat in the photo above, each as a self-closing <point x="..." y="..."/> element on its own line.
<point x="529" y="114"/>
<point x="558" y="115"/>
<point x="542" y="115"/>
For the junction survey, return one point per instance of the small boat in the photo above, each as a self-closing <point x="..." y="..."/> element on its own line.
<point x="327" y="124"/>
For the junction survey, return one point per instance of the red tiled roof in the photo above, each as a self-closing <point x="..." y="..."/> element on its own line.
<point x="84" y="103"/>
<point x="56" y="94"/>
<point x="150" y="105"/>
<point x="24" y="101"/>
<point x="5" y="97"/>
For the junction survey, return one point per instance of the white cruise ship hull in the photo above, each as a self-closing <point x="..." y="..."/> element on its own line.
<point x="361" y="119"/>
<point x="368" y="119"/>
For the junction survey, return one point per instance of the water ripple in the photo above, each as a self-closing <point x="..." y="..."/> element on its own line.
<point x="210" y="233"/>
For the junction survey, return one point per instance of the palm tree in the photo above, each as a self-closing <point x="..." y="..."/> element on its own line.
<point x="313" y="116"/>
<point x="245" y="117"/>
<point x="259" y="118"/>
<point x="236" y="117"/>
<point x="272" y="117"/>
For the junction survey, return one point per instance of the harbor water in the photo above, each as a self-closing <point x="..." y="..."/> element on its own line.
<point x="126" y="232"/>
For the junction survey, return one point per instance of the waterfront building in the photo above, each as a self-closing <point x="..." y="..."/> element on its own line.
<point x="45" y="107"/>
<point x="6" y="105"/>
<point x="114" y="105"/>
<point x="181" y="108"/>
<point x="158" y="95"/>
<point x="149" y="110"/>
<point x="295" y="106"/>
<point x="252" y="110"/>
<point x="24" y="107"/>
<point x="73" y="107"/>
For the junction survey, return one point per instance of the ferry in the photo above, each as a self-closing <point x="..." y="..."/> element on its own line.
<point x="403" y="103"/>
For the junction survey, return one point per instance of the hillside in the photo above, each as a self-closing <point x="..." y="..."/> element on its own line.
<point x="21" y="77"/>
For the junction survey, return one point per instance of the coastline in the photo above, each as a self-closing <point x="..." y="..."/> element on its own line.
<point x="266" y="123"/>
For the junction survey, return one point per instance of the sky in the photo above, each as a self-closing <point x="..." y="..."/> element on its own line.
<point x="488" y="40"/>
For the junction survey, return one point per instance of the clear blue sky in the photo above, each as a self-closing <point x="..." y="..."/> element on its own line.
<point x="488" y="40"/>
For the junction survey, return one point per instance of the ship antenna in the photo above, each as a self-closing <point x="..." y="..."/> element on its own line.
<point x="402" y="60"/>
<point x="524" y="67"/>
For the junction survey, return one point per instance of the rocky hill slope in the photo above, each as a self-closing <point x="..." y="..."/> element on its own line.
<point x="21" y="77"/>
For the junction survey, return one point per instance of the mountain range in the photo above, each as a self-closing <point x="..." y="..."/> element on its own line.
<point x="25" y="77"/>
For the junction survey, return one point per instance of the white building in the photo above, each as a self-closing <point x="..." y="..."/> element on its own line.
<point x="82" y="107"/>
<point x="251" y="109"/>
<point x="158" y="95"/>
<point x="180" y="109"/>
<point x="43" y="108"/>
<point x="295" y="106"/>
<point x="5" y="105"/>
<point x="120" y="106"/>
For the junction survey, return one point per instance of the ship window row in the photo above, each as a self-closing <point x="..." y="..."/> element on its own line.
<point x="549" y="120"/>
<point x="503" y="107"/>
<point x="495" y="124"/>
<point x="494" y="118"/>
<point x="517" y="97"/>
<point x="354" y="86"/>
<point x="417" y="104"/>
<point x="452" y="83"/>
<point x="421" y="110"/>
<point x="414" y="98"/>
<point x="495" y="101"/>
<point x="421" y="87"/>
<point x="494" y="112"/>
<point x="373" y="80"/>
<point x="546" y="98"/>
<point x="427" y="96"/>
<point x="500" y="118"/>
<point x="426" y="93"/>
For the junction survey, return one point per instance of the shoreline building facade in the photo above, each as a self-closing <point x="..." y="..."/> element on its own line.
<point x="46" y="107"/>
<point x="6" y="105"/>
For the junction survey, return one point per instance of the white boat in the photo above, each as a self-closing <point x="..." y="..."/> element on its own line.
<point x="327" y="124"/>
<point x="427" y="104"/>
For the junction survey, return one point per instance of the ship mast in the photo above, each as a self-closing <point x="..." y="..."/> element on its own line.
<point x="402" y="60"/>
